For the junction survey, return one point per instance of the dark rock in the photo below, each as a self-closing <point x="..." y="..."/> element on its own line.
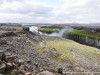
<point x="2" y="67"/>
<point x="26" y="28"/>
<point x="8" y="34"/>
<point x="2" y="42"/>
<point x="60" y="70"/>
<point x="2" y="55"/>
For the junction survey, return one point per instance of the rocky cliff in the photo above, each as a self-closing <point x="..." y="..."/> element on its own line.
<point x="86" y="40"/>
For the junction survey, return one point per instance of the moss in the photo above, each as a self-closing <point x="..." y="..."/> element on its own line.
<point x="9" y="72"/>
<point x="83" y="32"/>
<point x="58" y="59"/>
<point x="50" y="29"/>
<point x="68" y="50"/>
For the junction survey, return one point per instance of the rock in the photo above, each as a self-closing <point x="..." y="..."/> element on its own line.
<point x="2" y="42"/>
<point x="28" y="60"/>
<point x="8" y="34"/>
<point x="2" y="55"/>
<point x="10" y="59"/>
<point x="8" y="53"/>
<point x="22" y="69"/>
<point x="45" y="73"/>
<point x="21" y="62"/>
<point x="2" y="67"/>
<point x="10" y="65"/>
<point x="15" y="72"/>
<point x="60" y="70"/>
<point x="28" y="73"/>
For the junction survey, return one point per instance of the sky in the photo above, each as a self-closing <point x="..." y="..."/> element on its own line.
<point x="49" y="11"/>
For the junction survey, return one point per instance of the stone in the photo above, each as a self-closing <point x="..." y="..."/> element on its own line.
<point x="10" y="65"/>
<point x="10" y="59"/>
<point x="60" y="70"/>
<point x="15" y="72"/>
<point x="20" y="61"/>
<point x="22" y="69"/>
<point x="2" y="42"/>
<point x="28" y="60"/>
<point x="45" y="73"/>
<point x="28" y="73"/>
<point x="2" y="55"/>
<point x="2" y="68"/>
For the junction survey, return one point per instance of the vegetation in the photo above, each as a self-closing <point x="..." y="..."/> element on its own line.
<point x="77" y="31"/>
<point x="69" y="50"/>
<point x="83" y="32"/>
<point x="50" y="29"/>
<point x="9" y="72"/>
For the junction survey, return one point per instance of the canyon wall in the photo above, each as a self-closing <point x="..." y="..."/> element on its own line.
<point x="95" y="42"/>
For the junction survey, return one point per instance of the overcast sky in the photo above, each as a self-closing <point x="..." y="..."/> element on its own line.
<point x="50" y="11"/>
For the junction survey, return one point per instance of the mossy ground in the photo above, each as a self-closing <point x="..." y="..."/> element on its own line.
<point x="69" y="49"/>
<point x="77" y="31"/>
<point x="9" y="72"/>
<point x="50" y="29"/>
<point x="83" y="32"/>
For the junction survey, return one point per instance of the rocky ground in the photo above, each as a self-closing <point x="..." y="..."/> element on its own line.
<point x="18" y="55"/>
<point x="26" y="53"/>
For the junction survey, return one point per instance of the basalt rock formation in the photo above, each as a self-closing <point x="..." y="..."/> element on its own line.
<point x="86" y="40"/>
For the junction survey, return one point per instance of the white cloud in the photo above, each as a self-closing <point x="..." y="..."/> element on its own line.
<point x="81" y="10"/>
<point x="70" y="11"/>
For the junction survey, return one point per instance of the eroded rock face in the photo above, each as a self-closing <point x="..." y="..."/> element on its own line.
<point x="84" y="40"/>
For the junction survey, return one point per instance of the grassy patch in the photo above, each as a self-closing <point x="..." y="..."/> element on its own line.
<point x="50" y="29"/>
<point x="82" y="32"/>
<point x="67" y="49"/>
<point x="9" y="72"/>
<point x="58" y="59"/>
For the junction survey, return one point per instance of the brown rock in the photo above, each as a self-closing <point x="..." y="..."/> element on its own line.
<point x="22" y="69"/>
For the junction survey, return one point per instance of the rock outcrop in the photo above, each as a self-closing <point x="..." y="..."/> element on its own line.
<point x="95" y="42"/>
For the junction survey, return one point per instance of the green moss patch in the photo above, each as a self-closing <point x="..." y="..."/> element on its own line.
<point x="82" y="32"/>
